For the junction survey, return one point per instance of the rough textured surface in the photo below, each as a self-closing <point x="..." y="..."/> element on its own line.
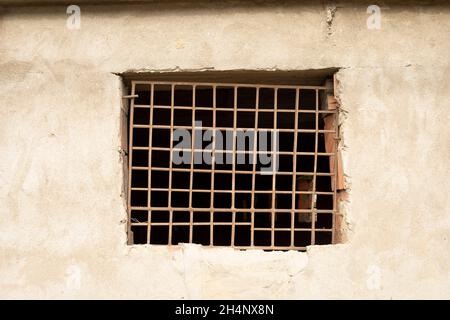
<point x="62" y="230"/>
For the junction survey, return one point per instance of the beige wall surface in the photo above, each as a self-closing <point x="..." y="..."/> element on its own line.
<point x="62" y="207"/>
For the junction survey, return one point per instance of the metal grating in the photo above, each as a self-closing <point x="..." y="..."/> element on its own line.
<point x="230" y="203"/>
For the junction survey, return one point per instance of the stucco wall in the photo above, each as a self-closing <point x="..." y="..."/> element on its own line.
<point x="62" y="209"/>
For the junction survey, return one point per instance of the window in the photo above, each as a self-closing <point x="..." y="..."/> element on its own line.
<point x="246" y="166"/>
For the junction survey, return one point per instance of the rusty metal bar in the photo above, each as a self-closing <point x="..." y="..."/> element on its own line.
<point x="242" y="85"/>
<point x="240" y="191"/>
<point x="213" y="165"/>
<point x="240" y="152"/>
<point x="314" y="196"/>
<point x="227" y="224"/>
<point x="328" y="211"/>
<point x="172" y="113"/>
<point x="191" y="170"/>
<point x="335" y="178"/>
<point x="255" y="149"/>
<point x="274" y="185"/>
<point x="233" y="177"/>
<point x="231" y="129"/>
<point x="150" y="137"/>
<point x="268" y="110"/>
<point x="130" y="164"/>
<point x="294" y="167"/>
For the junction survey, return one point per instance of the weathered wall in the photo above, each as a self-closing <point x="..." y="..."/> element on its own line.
<point x="62" y="227"/>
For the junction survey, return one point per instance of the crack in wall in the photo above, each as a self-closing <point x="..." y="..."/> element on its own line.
<point x="331" y="12"/>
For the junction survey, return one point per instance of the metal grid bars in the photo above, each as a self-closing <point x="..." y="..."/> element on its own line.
<point x="206" y="186"/>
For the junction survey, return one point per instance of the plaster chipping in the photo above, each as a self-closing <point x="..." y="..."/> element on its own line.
<point x="331" y="12"/>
